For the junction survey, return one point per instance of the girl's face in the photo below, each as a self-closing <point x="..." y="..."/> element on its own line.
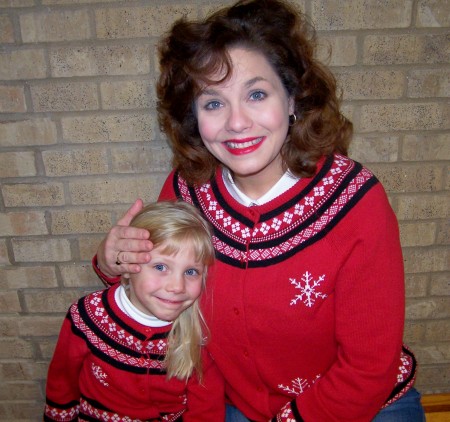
<point x="168" y="284"/>
<point x="244" y="121"/>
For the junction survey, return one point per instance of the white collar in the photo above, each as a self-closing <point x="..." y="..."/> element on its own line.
<point x="124" y="303"/>
<point x="286" y="182"/>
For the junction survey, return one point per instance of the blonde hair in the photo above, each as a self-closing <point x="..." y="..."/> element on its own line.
<point x="176" y="224"/>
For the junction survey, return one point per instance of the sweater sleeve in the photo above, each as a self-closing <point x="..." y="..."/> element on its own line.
<point x="369" y="303"/>
<point x="206" y="398"/>
<point x="62" y="391"/>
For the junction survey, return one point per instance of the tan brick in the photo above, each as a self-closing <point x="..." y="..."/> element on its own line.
<point x="424" y="83"/>
<point x="425" y="206"/>
<point x="12" y="99"/>
<point x="33" y="195"/>
<point x="69" y="2"/>
<point x="443" y="236"/>
<point x="409" y="177"/>
<point x="17" y="164"/>
<point x="6" y="30"/>
<point x="418" y="233"/>
<point x="39" y="131"/>
<point x="406" y="49"/>
<point x="440" y="284"/>
<point x="88" y="246"/>
<point x="50" y="300"/>
<point x="374" y="148"/>
<point x="64" y="96"/>
<point x="140" y="159"/>
<point x="75" y="162"/>
<point x="9" y="302"/>
<point x="37" y="326"/>
<point x="46" y="250"/>
<point x="437" y="330"/>
<point x="116" y="190"/>
<point x="101" y="60"/>
<point x="414" y="331"/>
<point x="57" y="25"/>
<point x="337" y="50"/>
<point x="47" y="348"/>
<point x="135" y="22"/>
<point x="9" y="325"/>
<point x="16" y="3"/>
<point x="19" y="390"/>
<point x="28" y="277"/>
<point x="426" y="259"/>
<point x="108" y="128"/>
<point x="21" y="411"/>
<point x="23" y="64"/>
<point x="18" y="348"/>
<point x="80" y="275"/>
<point x="80" y="221"/>
<point x="416" y="285"/>
<point x="434" y="308"/>
<point x="428" y="147"/>
<point x="373" y="84"/>
<point x="23" y="223"/>
<point x="433" y="13"/>
<point x="4" y="259"/>
<point x="418" y="116"/>
<point x="21" y="371"/>
<point x="361" y="14"/>
<point x="433" y="353"/>
<point x="123" y="95"/>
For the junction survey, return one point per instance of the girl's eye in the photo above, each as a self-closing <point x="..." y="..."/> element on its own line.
<point x="212" y="105"/>
<point x="192" y="272"/>
<point x="257" y="95"/>
<point x="159" y="267"/>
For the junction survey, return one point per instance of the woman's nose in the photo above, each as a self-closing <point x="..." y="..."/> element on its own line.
<point x="238" y="119"/>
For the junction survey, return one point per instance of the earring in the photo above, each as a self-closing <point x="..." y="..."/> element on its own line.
<point x="292" y="119"/>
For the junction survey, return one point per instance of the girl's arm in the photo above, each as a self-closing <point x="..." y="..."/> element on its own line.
<point x="206" y="398"/>
<point x="62" y="389"/>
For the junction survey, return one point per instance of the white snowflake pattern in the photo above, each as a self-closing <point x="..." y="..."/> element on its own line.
<point x="212" y="206"/>
<point x="287" y="218"/>
<point x="219" y="214"/>
<point x="308" y="287"/>
<point x="298" y="386"/>
<point x="99" y="374"/>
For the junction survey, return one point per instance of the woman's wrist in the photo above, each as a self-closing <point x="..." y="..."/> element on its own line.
<point x="106" y="279"/>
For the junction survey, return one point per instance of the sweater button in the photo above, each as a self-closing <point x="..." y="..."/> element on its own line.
<point x="246" y="353"/>
<point x="236" y="311"/>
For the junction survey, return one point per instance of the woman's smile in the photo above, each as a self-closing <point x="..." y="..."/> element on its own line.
<point x="243" y="146"/>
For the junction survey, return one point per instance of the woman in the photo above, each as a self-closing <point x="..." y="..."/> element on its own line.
<point x="306" y="303"/>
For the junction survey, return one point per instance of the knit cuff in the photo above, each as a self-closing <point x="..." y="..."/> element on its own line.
<point x="107" y="281"/>
<point x="288" y="413"/>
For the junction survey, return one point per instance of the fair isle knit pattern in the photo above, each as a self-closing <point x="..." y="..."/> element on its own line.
<point x="293" y="226"/>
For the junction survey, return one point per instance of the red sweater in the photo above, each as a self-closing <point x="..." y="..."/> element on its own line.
<point x="306" y="301"/>
<point x="108" y="367"/>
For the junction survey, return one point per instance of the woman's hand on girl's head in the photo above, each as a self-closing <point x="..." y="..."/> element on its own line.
<point x="124" y="247"/>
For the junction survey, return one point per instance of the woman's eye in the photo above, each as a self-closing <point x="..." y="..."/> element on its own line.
<point x="257" y="95"/>
<point x="212" y="105"/>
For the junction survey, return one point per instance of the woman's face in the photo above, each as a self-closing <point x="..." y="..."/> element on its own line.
<point x="244" y="121"/>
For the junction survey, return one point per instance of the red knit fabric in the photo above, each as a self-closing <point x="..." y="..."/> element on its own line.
<point x="306" y="301"/>
<point x="106" y="366"/>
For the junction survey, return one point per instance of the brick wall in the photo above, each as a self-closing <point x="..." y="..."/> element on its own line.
<point x="79" y="142"/>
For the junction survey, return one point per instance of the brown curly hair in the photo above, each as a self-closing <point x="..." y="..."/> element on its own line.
<point x="193" y="51"/>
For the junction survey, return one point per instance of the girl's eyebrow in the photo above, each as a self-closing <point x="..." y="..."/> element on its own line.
<point x="211" y="91"/>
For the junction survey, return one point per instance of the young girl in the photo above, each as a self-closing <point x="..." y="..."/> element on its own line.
<point x="134" y="352"/>
<point x="307" y="314"/>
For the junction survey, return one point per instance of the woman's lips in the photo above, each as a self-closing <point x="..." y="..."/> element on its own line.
<point x="243" y="146"/>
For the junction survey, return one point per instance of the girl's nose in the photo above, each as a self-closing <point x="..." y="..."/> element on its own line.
<point x="176" y="284"/>
<point x="238" y="119"/>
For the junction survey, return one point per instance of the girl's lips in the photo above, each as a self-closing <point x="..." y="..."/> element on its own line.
<point x="243" y="146"/>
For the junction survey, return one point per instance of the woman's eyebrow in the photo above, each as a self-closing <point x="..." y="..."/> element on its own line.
<point x="248" y="84"/>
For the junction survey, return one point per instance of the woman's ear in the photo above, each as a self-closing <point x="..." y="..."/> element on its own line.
<point x="291" y="106"/>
